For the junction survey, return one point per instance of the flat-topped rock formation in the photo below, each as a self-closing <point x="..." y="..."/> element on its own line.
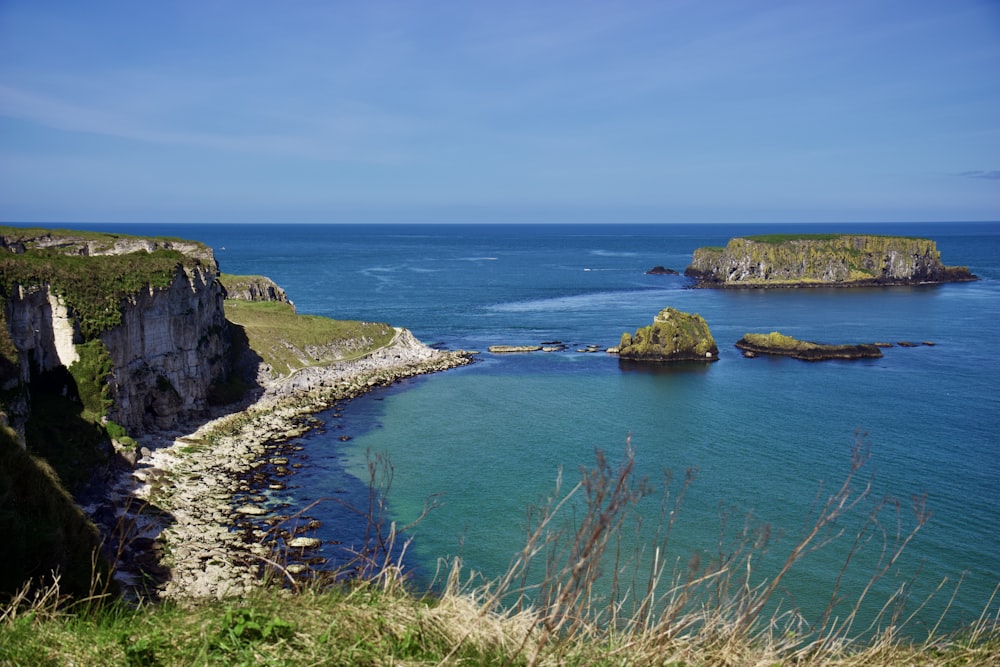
<point x="780" y="344"/>
<point x="822" y="260"/>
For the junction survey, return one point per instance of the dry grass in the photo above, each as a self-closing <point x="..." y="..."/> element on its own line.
<point x="572" y="596"/>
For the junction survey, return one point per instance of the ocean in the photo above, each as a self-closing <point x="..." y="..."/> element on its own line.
<point x="767" y="437"/>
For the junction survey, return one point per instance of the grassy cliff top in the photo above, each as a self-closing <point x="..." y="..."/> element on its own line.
<point x="75" y="241"/>
<point x="92" y="271"/>
<point x="93" y="286"/>
<point x="788" y="238"/>
<point x="288" y="342"/>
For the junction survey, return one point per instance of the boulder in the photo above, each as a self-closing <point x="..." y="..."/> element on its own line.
<point x="661" y="271"/>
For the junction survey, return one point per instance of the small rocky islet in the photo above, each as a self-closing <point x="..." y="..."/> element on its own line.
<point x="673" y="336"/>
<point x="777" y="343"/>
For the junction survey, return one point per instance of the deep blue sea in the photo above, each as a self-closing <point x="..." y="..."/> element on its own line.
<point x="766" y="435"/>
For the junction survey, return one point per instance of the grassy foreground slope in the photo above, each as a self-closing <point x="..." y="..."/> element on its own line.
<point x="707" y="614"/>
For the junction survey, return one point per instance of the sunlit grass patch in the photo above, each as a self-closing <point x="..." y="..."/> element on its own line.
<point x="288" y="341"/>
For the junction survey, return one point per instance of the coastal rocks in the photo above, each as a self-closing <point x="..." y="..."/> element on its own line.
<point x="403" y="357"/>
<point x="212" y="548"/>
<point x="88" y="244"/>
<point x="673" y="336"/>
<point x="820" y="260"/>
<point x="546" y="346"/>
<point x="780" y="344"/>
<point x="512" y="349"/>
<point x="304" y="542"/>
<point x="661" y="271"/>
<point x="252" y="288"/>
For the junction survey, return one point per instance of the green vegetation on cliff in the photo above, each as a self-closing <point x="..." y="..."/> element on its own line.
<point x="780" y="344"/>
<point x="42" y="529"/>
<point x="251" y="288"/>
<point x="673" y="336"/>
<point x="785" y="238"/>
<point x="287" y="341"/>
<point x="92" y="285"/>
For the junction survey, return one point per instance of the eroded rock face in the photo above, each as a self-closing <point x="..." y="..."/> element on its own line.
<point x="253" y="288"/>
<point x="673" y="336"/>
<point x="171" y="346"/>
<point x="43" y="332"/>
<point x="70" y="243"/>
<point x="823" y="260"/>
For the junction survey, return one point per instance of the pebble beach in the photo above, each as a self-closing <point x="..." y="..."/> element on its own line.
<point x="175" y="508"/>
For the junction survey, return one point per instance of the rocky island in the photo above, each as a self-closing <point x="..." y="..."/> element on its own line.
<point x="673" y="336"/>
<point x="659" y="270"/>
<point x="780" y="344"/>
<point x="822" y="260"/>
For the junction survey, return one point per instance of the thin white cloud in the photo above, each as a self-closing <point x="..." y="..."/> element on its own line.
<point x="993" y="175"/>
<point x="330" y="136"/>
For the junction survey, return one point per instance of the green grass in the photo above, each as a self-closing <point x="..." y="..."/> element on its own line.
<point x="780" y="341"/>
<point x="707" y="614"/>
<point x="287" y="341"/>
<point x="42" y="529"/>
<point x="673" y="334"/>
<point x="786" y="238"/>
<point x="93" y="287"/>
<point x="710" y="613"/>
<point x="73" y="237"/>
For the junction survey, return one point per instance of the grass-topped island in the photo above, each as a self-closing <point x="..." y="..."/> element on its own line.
<point x="780" y="344"/>
<point x="822" y="260"/>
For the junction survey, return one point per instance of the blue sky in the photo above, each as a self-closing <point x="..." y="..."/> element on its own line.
<point x="540" y="111"/>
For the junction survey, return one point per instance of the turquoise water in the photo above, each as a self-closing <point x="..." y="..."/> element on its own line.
<point x="764" y="434"/>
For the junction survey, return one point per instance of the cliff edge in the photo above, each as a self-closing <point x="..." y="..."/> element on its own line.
<point x="132" y="328"/>
<point x="820" y="260"/>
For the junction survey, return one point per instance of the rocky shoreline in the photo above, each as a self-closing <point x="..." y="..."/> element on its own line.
<point x="175" y="508"/>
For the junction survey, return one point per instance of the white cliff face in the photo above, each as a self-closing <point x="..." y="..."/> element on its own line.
<point x="43" y="331"/>
<point x="171" y="346"/>
<point x="64" y="334"/>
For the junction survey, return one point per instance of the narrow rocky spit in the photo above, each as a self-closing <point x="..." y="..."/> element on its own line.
<point x="174" y="509"/>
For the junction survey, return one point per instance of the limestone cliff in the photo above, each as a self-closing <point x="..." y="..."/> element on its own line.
<point x="252" y="288"/>
<point x="169" y="349"/>
<point x="153" y="305"/>
<point x="822" y="260"/>
<point x="673" y="336"/>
